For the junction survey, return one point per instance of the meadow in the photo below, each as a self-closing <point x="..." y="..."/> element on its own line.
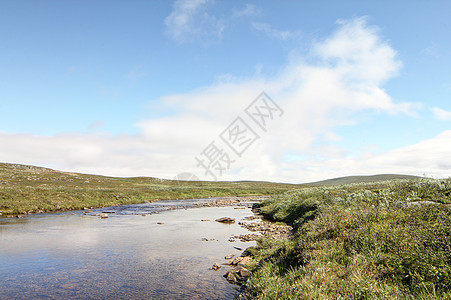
<point x="388" y="239"/>
<point x="29" y="189"/>
<point x="385" y="240"/>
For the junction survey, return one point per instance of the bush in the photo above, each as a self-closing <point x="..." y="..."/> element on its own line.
<point x="370" y="241"/>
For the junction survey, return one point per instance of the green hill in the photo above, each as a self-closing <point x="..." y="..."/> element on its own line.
<point x="30" y="189"/>
<point x="361" y="179"/>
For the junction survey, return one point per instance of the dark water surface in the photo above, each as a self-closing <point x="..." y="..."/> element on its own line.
<point x="127" y="256"/>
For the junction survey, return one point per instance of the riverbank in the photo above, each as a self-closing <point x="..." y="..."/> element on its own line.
<point x="28" y="190"/>
<point x="387" y="240"/>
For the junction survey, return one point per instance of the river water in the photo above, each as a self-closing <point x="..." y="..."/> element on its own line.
<point x="161" y="255"/>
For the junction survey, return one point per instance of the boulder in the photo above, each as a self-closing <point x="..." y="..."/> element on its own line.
<point x="244" y="261"/>
<point x="225" y="220"/>
<point x="231" y="277"/>
<point x="240" y="261"/>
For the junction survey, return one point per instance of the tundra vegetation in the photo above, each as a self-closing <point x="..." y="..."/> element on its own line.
<point x="385" y="240"/>
<point x="388" y="239"/>
<point x="29" y="189"/>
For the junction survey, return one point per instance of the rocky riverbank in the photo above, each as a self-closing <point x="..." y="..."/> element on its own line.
<point x="260" y="228"/>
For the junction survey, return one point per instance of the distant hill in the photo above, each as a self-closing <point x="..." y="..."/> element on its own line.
<point x="360" y="179"/>
<point x="29" y="189"/>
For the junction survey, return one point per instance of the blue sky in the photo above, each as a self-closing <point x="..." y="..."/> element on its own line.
<point x="131" y="88"/>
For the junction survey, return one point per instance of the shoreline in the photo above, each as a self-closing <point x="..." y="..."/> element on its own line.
<point x="220" y="202"/>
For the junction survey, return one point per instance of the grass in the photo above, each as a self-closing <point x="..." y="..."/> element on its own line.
<point x="29" y="189"/>
<point x="387" y="240"/>
<point x="375" y="240"/>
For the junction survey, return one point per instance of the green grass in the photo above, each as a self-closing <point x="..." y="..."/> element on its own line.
<point x="28" y="189"/>
<point x="358" y="241"/>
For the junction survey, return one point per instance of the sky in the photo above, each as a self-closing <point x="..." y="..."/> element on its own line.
<point x="284" y="91"/>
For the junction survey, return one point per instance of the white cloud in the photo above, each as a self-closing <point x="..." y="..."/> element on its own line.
<point x="283" y="35"/>
<point x="359" y="54"/>
<point x="426" y="157"/>
<point x="248" y="11"/>
<point x="441" y="114"/>
<point x="341" y="77"/>
<point x="190" y="22"/>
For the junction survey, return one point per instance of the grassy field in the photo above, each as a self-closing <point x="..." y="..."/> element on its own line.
<point x="29" y="189"/>
<point x="387" y="240"/>
<point x="368" y="240"/>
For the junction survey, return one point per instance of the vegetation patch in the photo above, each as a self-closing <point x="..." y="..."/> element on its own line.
<point x="29" y="189"/>
<point x="387" y="240"/>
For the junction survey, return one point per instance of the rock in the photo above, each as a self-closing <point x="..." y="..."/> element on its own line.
<point x="205" y="220"/>
<point x="215" y="267"/>
<point x="204" y="239"/>
<point x="244" y="261"/>
<point x="231" y="277"/>
<point x="239" y="207"/>
<point x="247" y="237"/>
<point x="225" y="220"/>
<point x="229" y="256"/>
<point x="160" y="223"/>
<point x="244" y="273"/>
<point x="235" y="261"/>
<point x="104" y="216"/>
<point x="240" y="261"/>
<point x="143" y="215"/>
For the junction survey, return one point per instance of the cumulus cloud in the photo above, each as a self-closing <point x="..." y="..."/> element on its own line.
<point x="341" y="77"/>
<point x="428" y="157"/>
<point x="190" y="22"/>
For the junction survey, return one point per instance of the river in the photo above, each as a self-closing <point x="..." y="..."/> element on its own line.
<point x="161" y="255"/>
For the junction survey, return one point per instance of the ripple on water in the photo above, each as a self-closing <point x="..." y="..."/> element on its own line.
<point x="126" y="256"/>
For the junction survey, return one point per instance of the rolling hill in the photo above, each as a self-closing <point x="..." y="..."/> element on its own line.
<point x="31" y="189"/>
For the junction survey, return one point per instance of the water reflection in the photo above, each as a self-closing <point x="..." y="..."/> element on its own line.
<point x="126" y="256"/>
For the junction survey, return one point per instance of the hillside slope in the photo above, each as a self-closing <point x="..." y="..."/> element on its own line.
<point x="30" y="189"/>
<point x="361" y="179"/>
